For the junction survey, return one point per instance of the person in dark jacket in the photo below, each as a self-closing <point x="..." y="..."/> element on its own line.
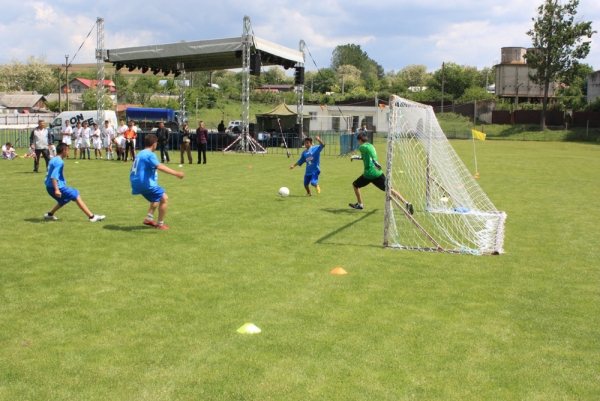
<point x="41" y="140"/>
<point x="221" y="127"/>
<point x="162" y="134"/>
<point x="202" y="138"/>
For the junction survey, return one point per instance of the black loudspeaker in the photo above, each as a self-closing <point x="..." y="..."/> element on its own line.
<point x="299" y="76"/>
<point x="255" y="64"/>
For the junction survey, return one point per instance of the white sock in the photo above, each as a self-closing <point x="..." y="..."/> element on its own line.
<point x="149" y="216"/>
<point x="160" y="223"/>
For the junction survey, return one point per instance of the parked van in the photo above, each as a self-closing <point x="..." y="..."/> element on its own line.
<point x="81" y="115"/>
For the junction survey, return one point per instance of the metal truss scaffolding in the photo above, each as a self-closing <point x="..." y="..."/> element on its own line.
<point x="100" y="56"/>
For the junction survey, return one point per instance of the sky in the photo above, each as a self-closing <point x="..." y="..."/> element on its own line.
<point x="394" y="33"/>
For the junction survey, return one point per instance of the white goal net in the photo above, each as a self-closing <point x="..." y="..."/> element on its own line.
<point x="451" y="212"/>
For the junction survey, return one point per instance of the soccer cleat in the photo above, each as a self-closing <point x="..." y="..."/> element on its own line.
<point x="410" y="208"/>
<point x="97" y="218"/>
<point x="162" y="227"/>
<point x="356" y="206"/>
<point x="48" y="217"/>
<point x="149" y="222"/>
<point x="318" y="188"/>
<point x="308" y="194"/>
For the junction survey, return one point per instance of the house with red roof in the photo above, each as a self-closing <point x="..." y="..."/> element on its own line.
<point x="78" y="85"/>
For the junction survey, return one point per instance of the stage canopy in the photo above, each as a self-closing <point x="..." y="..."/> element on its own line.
<point x="287" y="118"/>
<point x="202" y="55"/>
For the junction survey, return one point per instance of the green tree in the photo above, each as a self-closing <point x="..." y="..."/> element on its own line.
<point x="324" y="80"/>
<point x="275" y="76"/>
<point x="352" y="54"/>
<point x="475" y="93"/>
<point x="144" y="87"/>
<point x="457" y="79"/>
<point x="414" y="75"/>
<point x="560" y="42"/>
<point x="90" y="101"/>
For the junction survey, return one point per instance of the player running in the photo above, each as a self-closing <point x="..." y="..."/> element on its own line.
<point x="372" y="173"/>
<point x="144" y="181"/>
<point x="312" y="157"/>
<point x="56" y="186"/>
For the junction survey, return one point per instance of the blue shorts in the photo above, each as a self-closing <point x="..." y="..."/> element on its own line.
<point x="67" y="195"/>
<point x="313" y="179"/>
<point x="154" y="194"/>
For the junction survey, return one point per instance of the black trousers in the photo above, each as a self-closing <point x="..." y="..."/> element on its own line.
<point x="36" y="161"/>
<point x="164" y="151"/>
<point x="129" y="147"/>
<point x="201" y="151"/>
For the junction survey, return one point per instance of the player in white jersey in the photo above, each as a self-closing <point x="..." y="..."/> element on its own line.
<point x="97" y="141"/>
<point x="85" y="140"/>
<point x="67" y="133"/>
<point x="108" y="136"/>
<point x="120" y="141"/>
<point x="77" y="137"/>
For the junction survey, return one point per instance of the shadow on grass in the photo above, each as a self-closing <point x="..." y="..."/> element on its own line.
<point x="333" y="233"/>
<point x="113" y="227"/>
<point x="38" y="220"/>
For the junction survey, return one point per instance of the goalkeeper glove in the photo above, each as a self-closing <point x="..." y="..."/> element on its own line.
<point x="355" y="157"/>
<point x="376" y="164"/>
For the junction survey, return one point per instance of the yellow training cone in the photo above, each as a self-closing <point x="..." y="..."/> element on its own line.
<point x="338" y="270"/>
<point x="248" y="328"/>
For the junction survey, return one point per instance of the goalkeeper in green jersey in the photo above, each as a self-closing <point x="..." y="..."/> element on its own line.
<point x="372" y="174"/>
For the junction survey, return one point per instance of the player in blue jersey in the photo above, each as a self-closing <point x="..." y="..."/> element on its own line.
<point x="144" y="181"/>
<point x="56" y="185"/>
<point x="312" y="157"/>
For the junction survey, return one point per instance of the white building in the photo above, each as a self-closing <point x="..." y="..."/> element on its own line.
<point x="512" y="76"/>
<point x="347" y="117"/>
<point x="593" y="86"/>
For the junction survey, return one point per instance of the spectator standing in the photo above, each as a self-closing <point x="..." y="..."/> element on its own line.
<point x="77" y="136"/>
<point x="129" y="141"/>
<point x="185" y="146"/>
<point x="221" y="127"/>
<point x="108" y="136"/>
<point x="97" y="141"/>
<point x="202" y="138"/>
<point x="86" y="132"/>
<point x="67" y="133"/>
<point x="162" y="134"/>
<point x="120" y="141"/>
<point x="39" y="140"/>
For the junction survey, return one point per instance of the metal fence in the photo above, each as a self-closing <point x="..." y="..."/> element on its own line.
<point x="26" y="119"/>
<point x="18" y="137"/>
<point x="337" y="143"/>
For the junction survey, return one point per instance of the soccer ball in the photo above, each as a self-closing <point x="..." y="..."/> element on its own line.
<point x="283" y="192"/>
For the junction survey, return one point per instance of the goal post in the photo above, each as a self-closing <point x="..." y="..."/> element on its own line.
<point x="451" y="211"/>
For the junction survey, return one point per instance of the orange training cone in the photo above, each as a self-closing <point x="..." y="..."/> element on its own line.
<point x="338" y="270"/>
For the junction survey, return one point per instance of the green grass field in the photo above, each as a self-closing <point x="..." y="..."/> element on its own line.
<point x="116" y="310"/>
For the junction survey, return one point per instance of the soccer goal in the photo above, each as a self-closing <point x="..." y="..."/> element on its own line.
<point x="451" y="212"/>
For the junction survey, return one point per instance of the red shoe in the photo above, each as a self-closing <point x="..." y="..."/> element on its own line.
<point x="149" y="222"/>
<point x="162" y="227"/>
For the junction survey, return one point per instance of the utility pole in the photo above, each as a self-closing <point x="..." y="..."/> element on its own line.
<point x="59" y="96"/>
<point x="66" y="65"/>
<point x="311" y="85"/>
<point x="342" y="84"/>
<point x="443" y="67"/>
<point x="487" y="73"/>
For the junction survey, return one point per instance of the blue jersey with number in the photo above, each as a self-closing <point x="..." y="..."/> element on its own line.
<point x="55" y="170"/>
<point x="143" y="175"/>
<point x="312" y="157"/>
